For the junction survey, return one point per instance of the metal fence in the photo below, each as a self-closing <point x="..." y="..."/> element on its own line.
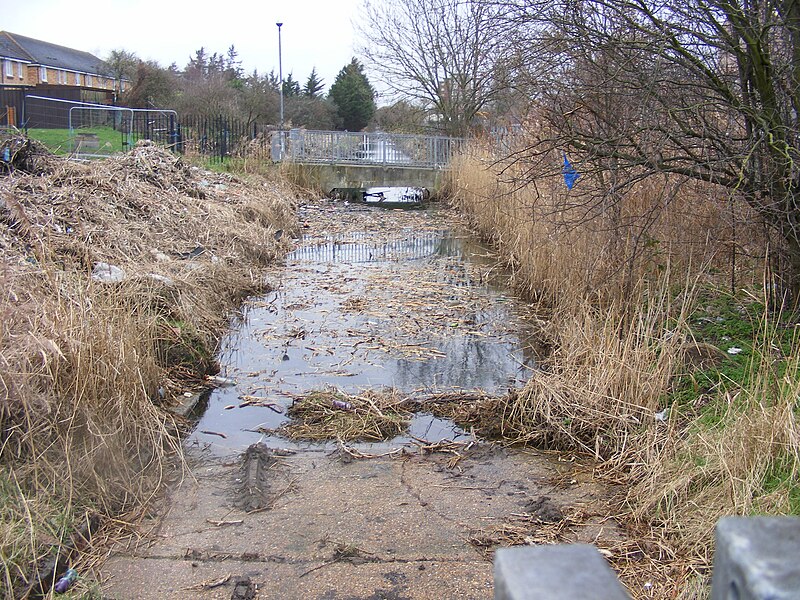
<point x="221" y="137"/>
<point x="85" y="130"/>
<point x="387" y="149"/>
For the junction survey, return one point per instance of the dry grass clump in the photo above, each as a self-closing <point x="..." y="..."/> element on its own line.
<point x="333" y="415"/>
<point x="605" y="380"/>
<point x="742" y="460"/>
<point x="87" y="365"/>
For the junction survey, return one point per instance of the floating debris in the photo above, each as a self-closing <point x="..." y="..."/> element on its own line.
<point x="221" y="381"/>
<point x="371" y="417"/>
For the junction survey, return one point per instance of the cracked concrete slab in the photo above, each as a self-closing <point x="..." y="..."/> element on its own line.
<point x="343" y="530"/>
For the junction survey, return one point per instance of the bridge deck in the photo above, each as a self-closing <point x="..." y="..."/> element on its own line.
<point x="368" y="149"/>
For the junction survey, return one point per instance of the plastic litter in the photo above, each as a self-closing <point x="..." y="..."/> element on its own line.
<point x="66" y="581"/>
<point x="342" y="405"/>
<point x="107" y="273"/>
<point x="222" y="381"/>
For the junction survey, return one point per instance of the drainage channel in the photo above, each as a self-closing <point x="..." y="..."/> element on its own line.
<point x="369" y="299"/>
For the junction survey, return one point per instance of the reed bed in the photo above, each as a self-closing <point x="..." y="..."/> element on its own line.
<point x="89" y="366"/>
<point x="622" y="283"/>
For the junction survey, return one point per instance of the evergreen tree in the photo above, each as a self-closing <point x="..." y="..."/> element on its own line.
<point x="273" y="81"/>
<point x="290" y="86"/>
<point x="232" y="63"/>
<point x="353" y="96"/>
<point x="314" y="85"/>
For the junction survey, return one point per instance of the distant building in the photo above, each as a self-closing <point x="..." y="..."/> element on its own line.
<point x="35" y="67"/>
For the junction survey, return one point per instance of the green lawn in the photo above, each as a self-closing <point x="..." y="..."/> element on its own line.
<point x="89" y="140"/>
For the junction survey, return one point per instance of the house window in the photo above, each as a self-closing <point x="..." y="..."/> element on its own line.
<point x="88" y="81"/>
<point x="9" y="69"/>
<point x="19" y="70"/>
<point x="43" y="74"/>
<point x="77" y="78"/>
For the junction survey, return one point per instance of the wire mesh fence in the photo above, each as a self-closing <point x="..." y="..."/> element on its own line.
<point x="86" y="130"/>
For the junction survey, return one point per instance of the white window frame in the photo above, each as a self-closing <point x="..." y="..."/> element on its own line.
<point x="89" y="82"/>
<point x="43" y="74"/>
<point x="20" y="71"/>
<point x="9" y="69"/>
<point x="77" y="78"/>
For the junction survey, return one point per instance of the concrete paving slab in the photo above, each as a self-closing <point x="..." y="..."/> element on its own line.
<point x="374" y="528"/>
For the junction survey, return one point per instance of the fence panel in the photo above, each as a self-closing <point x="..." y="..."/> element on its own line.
<point x="341" y="147"/>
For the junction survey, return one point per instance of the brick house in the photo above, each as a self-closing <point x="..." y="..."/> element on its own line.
<point x="35" y="67"/>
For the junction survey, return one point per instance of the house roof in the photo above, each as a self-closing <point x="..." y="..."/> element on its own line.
<point x="21" y="47"/>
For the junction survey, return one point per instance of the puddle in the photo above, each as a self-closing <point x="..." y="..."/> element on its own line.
<point x="370" y="299"/>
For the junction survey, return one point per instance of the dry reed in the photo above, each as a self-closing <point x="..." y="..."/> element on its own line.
<point x="619" y="281"/>
<point x="86" y="366"/>
<point x="333" y="415"/>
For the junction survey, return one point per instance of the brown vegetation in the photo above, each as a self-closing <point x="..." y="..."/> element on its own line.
<point x="620" y="285"/>
<point x="90" y="363"/>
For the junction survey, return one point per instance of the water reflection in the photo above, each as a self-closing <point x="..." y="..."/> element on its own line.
<point x="359" y="248"/>
<point x="411" y="311"/>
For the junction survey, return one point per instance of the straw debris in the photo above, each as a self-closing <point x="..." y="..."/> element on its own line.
<point x="118" y="278"/>
<point x="332" y="415"/>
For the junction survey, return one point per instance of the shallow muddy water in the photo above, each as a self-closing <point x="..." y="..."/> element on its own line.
<point x="369" y="299"/>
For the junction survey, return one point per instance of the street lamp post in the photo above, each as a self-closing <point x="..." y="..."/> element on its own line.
<point x="280" y="73"/>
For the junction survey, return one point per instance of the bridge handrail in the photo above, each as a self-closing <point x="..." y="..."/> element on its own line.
<point x="364" y="148"/>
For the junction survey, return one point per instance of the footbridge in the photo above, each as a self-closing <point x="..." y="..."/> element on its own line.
<point x="344" y="160"/>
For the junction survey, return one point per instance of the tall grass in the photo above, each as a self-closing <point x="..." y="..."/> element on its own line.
<point x="620" y="276"/>
<point x="88" y="369"/>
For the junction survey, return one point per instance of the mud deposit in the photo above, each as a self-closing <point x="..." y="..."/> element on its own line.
<point x="368" y="299"/>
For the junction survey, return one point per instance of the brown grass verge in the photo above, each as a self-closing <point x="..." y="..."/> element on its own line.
<point x="619" y="283"/>
<point x="88" y="366"/>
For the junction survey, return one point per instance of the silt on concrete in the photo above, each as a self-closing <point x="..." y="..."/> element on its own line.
<point x="339" y="529"/>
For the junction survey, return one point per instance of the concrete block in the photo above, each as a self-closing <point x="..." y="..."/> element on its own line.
<point x="757" y="558"/>
<point x="560" y="572"/>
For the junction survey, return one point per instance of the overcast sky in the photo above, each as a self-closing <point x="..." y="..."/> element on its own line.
<point x="315" y="33"/>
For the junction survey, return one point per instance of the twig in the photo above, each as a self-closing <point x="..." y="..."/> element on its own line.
<point x="210" y="585"/>
<point x="221" y="523"/>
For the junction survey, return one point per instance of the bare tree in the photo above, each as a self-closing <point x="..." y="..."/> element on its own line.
<point x="706" y="89"/>
<point x="443" y="54"/>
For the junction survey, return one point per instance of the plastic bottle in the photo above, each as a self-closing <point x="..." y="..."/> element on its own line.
<point x="342" y="405"/>
<point x="66" y="581"/>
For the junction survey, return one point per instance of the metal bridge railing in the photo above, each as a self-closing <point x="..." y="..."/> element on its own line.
<point x="342" y="148"/>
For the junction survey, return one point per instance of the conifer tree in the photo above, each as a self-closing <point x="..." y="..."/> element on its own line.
<point x="353" y="96"/>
